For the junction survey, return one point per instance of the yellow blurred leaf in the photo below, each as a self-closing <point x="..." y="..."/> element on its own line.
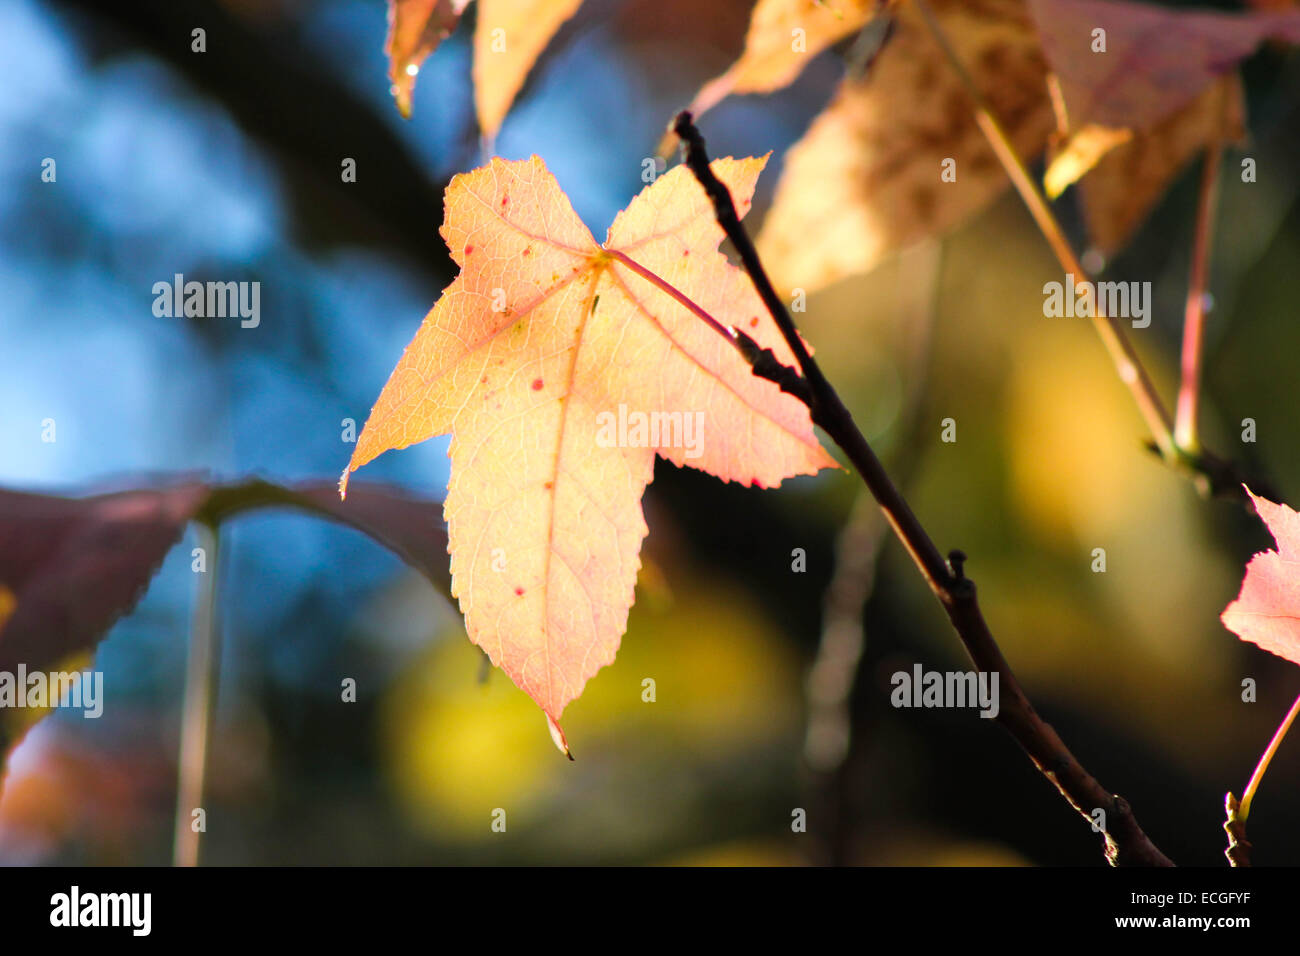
<point x="509" y="38"/>
<point x="867" y="178"/>
<point x="783" y="37"/>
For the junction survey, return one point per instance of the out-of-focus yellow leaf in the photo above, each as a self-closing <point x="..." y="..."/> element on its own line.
<point x="868" y="177"/>
<point x="783" y="37"/>
<point x="509" y="37"/>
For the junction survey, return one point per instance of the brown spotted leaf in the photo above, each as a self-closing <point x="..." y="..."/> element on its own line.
<point x="866" y="178"/>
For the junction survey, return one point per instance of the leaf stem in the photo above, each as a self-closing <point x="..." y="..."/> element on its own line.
<point x="674" y="292"/>
<point x="1239" y="848"/>
<point x="1248" y="794"/>
<point x="200" y="698"/>
<point x="1131" y="371"/>
<point x="1125" y="842"/>
<point x="1186" y="432"/>
<point x="762" y="361"/>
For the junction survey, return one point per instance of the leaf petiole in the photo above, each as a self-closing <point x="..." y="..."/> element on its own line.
<point x="669" y="289"/>
<point x="1249" y="793"/>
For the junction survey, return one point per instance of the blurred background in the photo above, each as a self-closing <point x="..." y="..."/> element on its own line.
<point x="225" y="165"/>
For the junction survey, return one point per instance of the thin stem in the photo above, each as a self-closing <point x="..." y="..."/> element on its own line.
<point x="674" y="292"/>
<point x="1126" y="844"/>
<point x="1131" y="371"/>
<point x="762" y="361"/>
<point x="1186" y="432"/>
<point x="200" y="698"/>
<point x="1249" y="794"/>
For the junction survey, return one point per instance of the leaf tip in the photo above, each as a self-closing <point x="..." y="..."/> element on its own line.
<point x="557" y="735"/>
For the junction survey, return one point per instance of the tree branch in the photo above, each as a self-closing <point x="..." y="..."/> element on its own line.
<point x="1126" y="843"/>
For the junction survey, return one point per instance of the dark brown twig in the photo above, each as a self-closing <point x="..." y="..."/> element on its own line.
<point x="1125" y="842"/>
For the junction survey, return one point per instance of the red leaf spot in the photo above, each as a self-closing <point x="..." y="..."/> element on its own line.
<point x="468" y="249"/>
<point x="753" y="321"/>
<point x="685" y="253"/>
<point x="519" y="591"/>
<point x="528" y="250"/>
<point x="537" y="385"/>
<point x="549" y="485"/>
<point x="504" y="200"/>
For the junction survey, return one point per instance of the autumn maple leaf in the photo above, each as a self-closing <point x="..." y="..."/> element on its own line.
<point x="541" y="359"/>
<point x="1267" y="611"/>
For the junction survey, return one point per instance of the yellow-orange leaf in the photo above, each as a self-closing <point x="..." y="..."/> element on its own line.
<point x="540" y="359"/>
<point x="868" y="177"/>
<point x="783" y="37"/>
<point x="509" y="38"/>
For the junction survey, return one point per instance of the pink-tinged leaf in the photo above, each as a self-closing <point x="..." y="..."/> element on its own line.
<point x="1267" y="611"/>
<point x="1156" y="59"/>
<point x="541" y="345"/>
